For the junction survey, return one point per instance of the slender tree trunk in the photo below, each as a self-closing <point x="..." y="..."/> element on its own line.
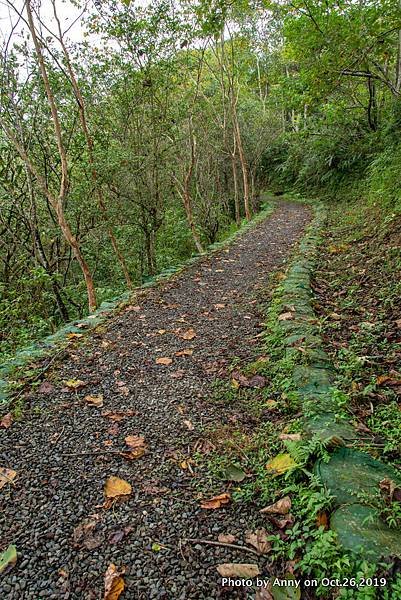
<point x="236" y="195"/>
<point x="186" y="192"/>
<point x="398" y="66"/>
<point x="57" y="203"/>
<point x="242" y="160"/>
<point x="90" y="146"/>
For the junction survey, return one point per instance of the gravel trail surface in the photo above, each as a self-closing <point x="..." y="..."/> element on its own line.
<point x="64" y="449"/>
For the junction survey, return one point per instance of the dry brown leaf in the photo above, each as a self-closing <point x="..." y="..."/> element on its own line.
<point x="189" y="335"/>
<point x="322" y="519"/>
<point x="94" y="400"/>
<point x="240" y="570"/>
<point x="46" y="388"/>
<point x="133" y="454"/>
<point x="189" y="424"/>
<point x="287" y="316"/>
<point x="179" y="374"/>
<point x="135" y="441"/>
<point x="133" y="308"/>
<point x="219" y="306"/>
<point x="6" y="421"/>
<point x="216" y="501"/>
<point x="73" y="336"/>
<point x="164" y="360"/>
<point x="113" y="582"/>
<point x="185" y="352"/>
<point x="119" y="534"/>
<point x="115" y="487"/>
<point x="281" y="507"/>
<point x="7" y="476"/>
<point x="259" y="540"/>
<point x="118" y="415"/>
<point x="294" y="437"/>
<point x="84" y="534"/>
<point x="226" y="538"/>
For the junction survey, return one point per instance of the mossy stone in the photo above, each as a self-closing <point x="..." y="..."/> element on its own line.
<point x="359" y="530"/>
<point x="350" y="473"/>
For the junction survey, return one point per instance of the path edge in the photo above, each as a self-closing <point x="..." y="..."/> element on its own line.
<point x="55" y="343"/>
<point x="292" y="320"/>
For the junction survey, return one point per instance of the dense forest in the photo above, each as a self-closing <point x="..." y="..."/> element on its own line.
<point x="155" y="135"/>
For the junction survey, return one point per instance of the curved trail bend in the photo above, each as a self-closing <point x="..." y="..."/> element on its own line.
<point x="59" y="449"/>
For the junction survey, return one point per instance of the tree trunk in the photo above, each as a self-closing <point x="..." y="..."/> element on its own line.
<point x="90" y="145"/>
<point x="57" y="203"/>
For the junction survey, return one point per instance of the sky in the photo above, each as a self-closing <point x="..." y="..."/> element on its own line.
<point x="66" y="11"/>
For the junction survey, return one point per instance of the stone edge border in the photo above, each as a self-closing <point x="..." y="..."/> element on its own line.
<point x="57" y="341"/>
<point x="313" y="376"/>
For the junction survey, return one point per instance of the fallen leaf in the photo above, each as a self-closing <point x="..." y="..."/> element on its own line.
<point x="398" y="323"/>
<point x="226" y="538"/>
<point x="7" y="476"/>
<point x="179" y="374"/>
<point x="257" y="381"/>
<point x="118" y="415"/>
<point x="46" y="388"/>
<point x="189" y="335"/>
<point x="240" y="570"/>
<point x="287" y="316"/>
<point x="234" y="473"/>
<point x="322" y="519"/>
<point x="84" y="535"/>
<point x="185" y="352"/>
<point x="116" y="487"/>
<point x="216" y="501"/>
<point x="117" y="536"/>
<point x="219" y="306"/>
<point x="164" y="360"/>
<point x="295" y="437"/>
<point x="136" y="445"/>
<point x="73" y="336"/>
<point x="113" y="582"/>
<point x="281" y="507"/>
<point x="156" y="547"/>
<point x="75" y="384"/>
<point x="259" y="540"/>
<point x="94" y="400"/>
<point x="6" y="421"/>
<point x="280" y="464"/>
<point x="8" y="558"/>
<point x="135" y="441"/>
<point x="189" y="425"/>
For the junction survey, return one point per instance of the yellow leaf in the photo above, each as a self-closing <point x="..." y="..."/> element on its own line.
<point x="113" y="582"/>
<point x="280" y="464"/>
<point x="116" y="487"/>
<point x="75" y="384"/>
<point x="72" y="336"/>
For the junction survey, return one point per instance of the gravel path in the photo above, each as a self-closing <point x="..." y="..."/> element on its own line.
<point x="62" y="450"/>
